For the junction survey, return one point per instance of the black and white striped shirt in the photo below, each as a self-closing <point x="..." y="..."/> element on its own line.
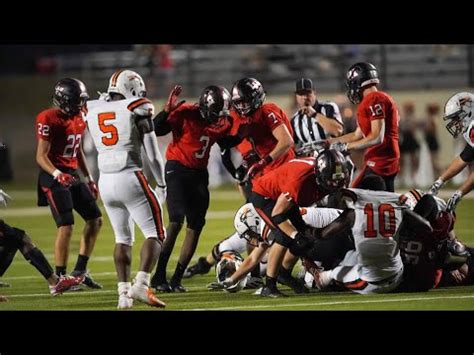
<point x="306" y="129"/>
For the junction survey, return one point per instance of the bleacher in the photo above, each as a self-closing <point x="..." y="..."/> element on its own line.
<point x="277" y="66"/>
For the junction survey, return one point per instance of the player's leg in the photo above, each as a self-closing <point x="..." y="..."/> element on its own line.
<point x="146" y="211"/>
<point x="85" y="204"/>
<point x="175" y="199"/>
<point x="13" y="239"/>
<point x="196" y="208"/>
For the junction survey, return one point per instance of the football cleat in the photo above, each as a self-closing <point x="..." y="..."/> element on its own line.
<point x="125" y="302"/>
<point x="145" y="294"/>
<point x="88" y="280"/>
<point x="65" y="283"/>
<point x="269" y="292"/>
<point x="201" y="267"/>
<point x="177" y="287"/>
<point x="162" y="287"/>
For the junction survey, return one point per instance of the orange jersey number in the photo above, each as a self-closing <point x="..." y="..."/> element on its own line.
<point x="111" y="135"/>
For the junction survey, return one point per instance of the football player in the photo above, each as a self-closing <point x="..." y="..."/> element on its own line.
<point x="120" y="124"/>
<point x="278" y="195"/>
<point x="377" y="131"/>
<point x="59" y="153"/>
<point x="13" y="239"/>
<point x="376" y="219"/>
<point x="459" y="114"/>
<point x="252" y="228"/>
<point x="195" y="128"/>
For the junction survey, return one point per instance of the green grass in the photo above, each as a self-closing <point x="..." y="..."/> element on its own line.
<point x="29" y="291"/>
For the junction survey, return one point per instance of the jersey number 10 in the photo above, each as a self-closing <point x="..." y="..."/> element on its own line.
<point x="385" y="211"/>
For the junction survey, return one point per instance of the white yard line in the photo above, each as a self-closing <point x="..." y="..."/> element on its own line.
<point x="332" y="303"/>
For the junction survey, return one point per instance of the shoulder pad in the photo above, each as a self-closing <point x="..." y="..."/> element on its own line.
<point x="141" y="107"/>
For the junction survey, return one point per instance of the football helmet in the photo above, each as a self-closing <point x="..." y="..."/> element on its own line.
<point x="412" y="197"/>
<point x="70" y="95"/>
<point x="247" y="96"/>
<point x="127" y="83"/>
<point x="247" y="223"/>
<point x="332" y="170"/>
<point x="214" y="103"/>
<point x="228" y="264"/>
<point x="358" y="77"/>
<point x="458" y="111"/>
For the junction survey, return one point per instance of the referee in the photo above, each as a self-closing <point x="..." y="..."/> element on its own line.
<point x="314" y="121"/>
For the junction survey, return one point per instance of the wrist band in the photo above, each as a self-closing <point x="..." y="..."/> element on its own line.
<point x="293" y="235"/>
<point x="56" y="173"/>
<point x="268" y="159"/>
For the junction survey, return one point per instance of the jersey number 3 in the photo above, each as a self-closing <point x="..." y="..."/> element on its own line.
<point x="386" y="214"/>
<point x="111" y="136"/>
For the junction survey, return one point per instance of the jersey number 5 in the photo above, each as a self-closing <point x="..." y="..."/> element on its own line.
<point x="386" y="214"/>
<point x="111" y="136"/>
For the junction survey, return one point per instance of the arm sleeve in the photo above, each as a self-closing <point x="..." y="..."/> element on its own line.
<point x="153" y="154"/>
<point x="162" y="126"/>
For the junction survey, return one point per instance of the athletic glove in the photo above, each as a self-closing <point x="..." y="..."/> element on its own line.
<point x="435" y="187"/>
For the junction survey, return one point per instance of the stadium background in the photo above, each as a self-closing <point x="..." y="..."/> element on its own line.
<point x="422" y="74"/>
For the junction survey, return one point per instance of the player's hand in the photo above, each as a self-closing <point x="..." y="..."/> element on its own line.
<point x="258" y="167"/>
<point x="63" y="178"/>
<point x="92" y="187"/>
<point x="214" y="286"/>
<point x="161" y="193"/>
<point x="340" y="147"/>
<point x="438" y="184"/>
<point x="4" y="198"/>
<point x="172" y="103"/>
<point x="453" y="201"/>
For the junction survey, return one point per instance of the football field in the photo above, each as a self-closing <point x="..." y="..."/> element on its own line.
<point x="29" y="291"/>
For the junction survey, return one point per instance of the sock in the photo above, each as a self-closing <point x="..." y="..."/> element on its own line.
<point x="38" y="260"/>
<point x="142" y="278"/>
<point x="178" y="274"/>
<point x="284" y="273"/>
<point x="160" y="274"/>
<point x="60" y="270"/>
<point x="123" y="287"/>
<point x="255" y="271"/>
<point x="81" y="263"/>
<point x="270" y="282"/>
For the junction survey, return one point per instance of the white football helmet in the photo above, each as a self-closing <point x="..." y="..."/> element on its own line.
<point x="459" y="111"/>
<point x="228" y="264"/>
<point x="128" y="83"/>
<point x="247" y="223"/>
<point x="412" y="197"/>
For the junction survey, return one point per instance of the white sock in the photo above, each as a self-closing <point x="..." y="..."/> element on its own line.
<point x="143" y="278"/>
<point x="123" y="287"/>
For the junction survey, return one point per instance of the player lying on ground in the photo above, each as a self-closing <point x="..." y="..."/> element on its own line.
<point x="13" y="239"/>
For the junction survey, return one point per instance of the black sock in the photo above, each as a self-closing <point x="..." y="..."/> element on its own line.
<point x="178" y="274"/>
<point x="60" y="270"/>
<point x="255" y="271"/>
<point x="270" y="282"/>
<point x="284" y="272"/>
<point x="81" y="264"/>
<point x="38" y="260"/>
<point x="160" y="273"/>
<point x="202" y="260"/>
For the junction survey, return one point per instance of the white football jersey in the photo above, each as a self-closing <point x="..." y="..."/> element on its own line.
<point x="378" y="215"/>
<point x="319" y="217"/>
<point x="115" y="134"/>
<point x="467" y="134"/>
